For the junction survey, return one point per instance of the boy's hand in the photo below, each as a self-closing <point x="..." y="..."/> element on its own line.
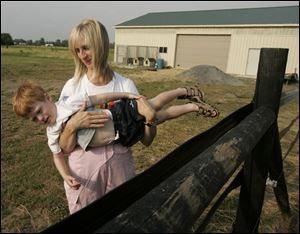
<point x="71" y="181"/>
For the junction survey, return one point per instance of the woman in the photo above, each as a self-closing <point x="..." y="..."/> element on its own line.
<point x="100" y="169"/>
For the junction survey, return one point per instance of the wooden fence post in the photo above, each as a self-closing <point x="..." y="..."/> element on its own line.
<point x="276" y="173"/>
<point x="266" y="157"/>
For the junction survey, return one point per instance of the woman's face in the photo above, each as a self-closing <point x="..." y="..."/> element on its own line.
<point x="84" y="53"/>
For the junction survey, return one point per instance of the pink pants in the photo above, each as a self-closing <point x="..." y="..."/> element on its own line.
<point x="99" y="170"/>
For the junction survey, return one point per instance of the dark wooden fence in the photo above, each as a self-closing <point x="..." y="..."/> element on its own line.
<point x="172" y="194"/>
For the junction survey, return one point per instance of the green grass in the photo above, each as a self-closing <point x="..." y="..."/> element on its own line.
<point x="32" y="193"/>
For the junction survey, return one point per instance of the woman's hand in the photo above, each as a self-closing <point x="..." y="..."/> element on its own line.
<point x="85" y="119"/>
<point x="82" y="119"/>
<point x="71" y="181"/>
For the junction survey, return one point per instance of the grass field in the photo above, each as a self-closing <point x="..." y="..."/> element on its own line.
<point x="32" y="194"/>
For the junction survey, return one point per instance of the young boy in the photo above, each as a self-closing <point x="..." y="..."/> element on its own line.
<point x="128" y="115"/>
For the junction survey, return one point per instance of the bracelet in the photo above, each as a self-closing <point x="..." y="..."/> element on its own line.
<point x="152" y="124"/>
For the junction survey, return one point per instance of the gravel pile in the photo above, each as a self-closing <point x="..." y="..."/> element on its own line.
<point x="206" y="74"/>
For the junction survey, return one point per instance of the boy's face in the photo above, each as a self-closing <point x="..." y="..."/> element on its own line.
<point x="43" y="112"/>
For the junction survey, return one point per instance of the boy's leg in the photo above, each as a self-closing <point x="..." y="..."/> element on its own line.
<point x="146" y="110"/>
<point x="173" y="112"/>
<point x="166" y="97"/>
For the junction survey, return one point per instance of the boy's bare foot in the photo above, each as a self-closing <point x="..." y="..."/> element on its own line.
<point x="146" y="110"/>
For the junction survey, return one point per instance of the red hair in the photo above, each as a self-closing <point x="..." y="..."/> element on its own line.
<point x="26" y="95"/>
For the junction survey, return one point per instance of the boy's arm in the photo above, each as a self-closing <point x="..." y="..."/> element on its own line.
<point x="64" y="171"/>
<point x="150" y="133"/>
<point x="107" y="97"/>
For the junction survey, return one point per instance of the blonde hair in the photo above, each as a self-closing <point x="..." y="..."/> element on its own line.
<point x="95" y="37"/>
<point x="26" y="95"/>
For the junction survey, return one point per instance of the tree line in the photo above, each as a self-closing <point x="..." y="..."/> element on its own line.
<point x="6" y="39"/>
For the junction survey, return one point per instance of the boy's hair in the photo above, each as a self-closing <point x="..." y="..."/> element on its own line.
<point x="26" y="95"/>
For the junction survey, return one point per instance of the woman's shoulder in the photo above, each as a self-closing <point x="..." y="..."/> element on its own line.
<point x="121" y="79"/>
<point x="124" y="84"/>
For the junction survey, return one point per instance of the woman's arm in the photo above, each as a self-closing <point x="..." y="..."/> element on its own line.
<point x="68" y="138"/>
<point x="150" y="133"/>
<point x="64" y="171"/>
<point x="146" y="110"/>
<point x="82" y="119"/>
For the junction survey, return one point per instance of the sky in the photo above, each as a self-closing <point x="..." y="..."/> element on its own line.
<point x="52" y="20"/>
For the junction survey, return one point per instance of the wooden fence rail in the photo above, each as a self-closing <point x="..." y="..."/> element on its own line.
<point x="172" y="194"/>
<point x="117" y="200"/>
<point x="177" y="202"/>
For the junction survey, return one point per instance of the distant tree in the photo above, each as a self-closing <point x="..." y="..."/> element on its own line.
<point x="64" y="43"/>
<point x="37" y="42"/>
<point x="29" y="42"/>
<point x="57" y="42"/>
<point x="42" y="41"/>
<point x="6" y="39"/>
<point x="19" y="41"/>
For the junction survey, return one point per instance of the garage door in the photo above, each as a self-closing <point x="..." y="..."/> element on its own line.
<point x="193" y="50"/>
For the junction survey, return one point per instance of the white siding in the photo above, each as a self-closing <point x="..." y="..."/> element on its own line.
<point x="240" y="45"/>
<point x="149" y="37"/>
<point x="242" y="39"/>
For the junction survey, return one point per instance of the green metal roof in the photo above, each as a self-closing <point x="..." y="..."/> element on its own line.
<point x="267" y="15"/>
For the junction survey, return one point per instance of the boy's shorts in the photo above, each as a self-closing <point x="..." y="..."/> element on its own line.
<point x="128" y="123"/>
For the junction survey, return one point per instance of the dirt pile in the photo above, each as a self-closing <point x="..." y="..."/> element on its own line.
<point x="206" y="74"/>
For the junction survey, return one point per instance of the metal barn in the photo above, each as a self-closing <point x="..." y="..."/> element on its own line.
<point x="229" y="39"/>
